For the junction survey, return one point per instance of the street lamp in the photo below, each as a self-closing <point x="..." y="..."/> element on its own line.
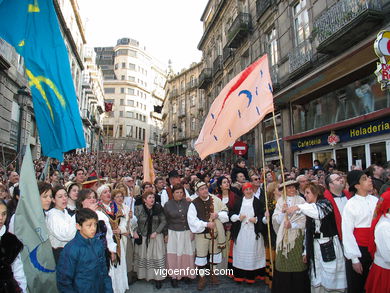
<point x="174" y="139"/>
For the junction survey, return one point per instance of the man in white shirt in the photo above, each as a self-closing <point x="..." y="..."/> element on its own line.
<point x="357" y="217"/>
<point x="255" y="181"/>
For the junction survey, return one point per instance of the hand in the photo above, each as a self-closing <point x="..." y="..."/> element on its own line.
<point x="242" y="217"/>
<point x="113" y="256"/>
<point x="188" y="199"/>
<point x="213" y="216"/>
<point x="253" y="220"/>
<point x="304" y="259"/>
<point x="285" y="207"/>
<point x="287" y="224"/>
<point x="135" y="235"/>
<point x="166" y="238"/>
<point x="292" y="210"/>
<point x="266" y="214"/>
<point x="211" y="225"/>
<point x="357" y="267"/>
<point x="116" y="231"/>
<point x="153" y="235"/>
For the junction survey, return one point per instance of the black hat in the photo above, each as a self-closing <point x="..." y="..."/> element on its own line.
<point x="353" y="178"/>
<point x="173" y="174"/>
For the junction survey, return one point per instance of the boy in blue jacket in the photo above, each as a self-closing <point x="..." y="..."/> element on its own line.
<point x="82" y="264"/>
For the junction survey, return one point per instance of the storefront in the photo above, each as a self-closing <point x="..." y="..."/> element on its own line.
<point x="271" y="153"/>
<point x="362" y="145"/>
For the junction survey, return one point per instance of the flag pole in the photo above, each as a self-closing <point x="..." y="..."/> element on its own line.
<point x="266" y="205"/>
<point x="280" y="155"/>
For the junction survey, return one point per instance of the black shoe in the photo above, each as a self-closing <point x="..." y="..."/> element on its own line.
<point x="158" y="284"/>
<point x="187" y="280"/>
<point x="174" y="283"/>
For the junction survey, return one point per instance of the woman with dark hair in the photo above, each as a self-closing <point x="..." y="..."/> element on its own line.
<point x="62" y="227"/>
<point x="228" y="197"/>
<point x="72" y="188"/>
<point x="180" y="248"/>
<point x="150" y="250"/>
<point x="323" y="248"/>
<point x="239" y="167"/>
<point x="11" y="268"/>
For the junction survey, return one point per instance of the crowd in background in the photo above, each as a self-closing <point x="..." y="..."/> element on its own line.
<point x="318" y="235"/>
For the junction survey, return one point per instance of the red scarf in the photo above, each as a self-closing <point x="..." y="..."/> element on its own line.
<point x="382" y="208"/>
<point x="328" y="195"/>
<point x="232" y="198"/>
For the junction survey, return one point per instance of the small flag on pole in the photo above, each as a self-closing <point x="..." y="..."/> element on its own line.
<point x="30" y="228"/>
<point x="32" y="28"/>
<point x="239" y="107"/>
<point x="149" y="175"/>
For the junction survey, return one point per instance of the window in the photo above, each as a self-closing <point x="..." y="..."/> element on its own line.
<point x="116" y="66"/>
<point x="193" y="124"/>
<point x="108" y="130"/>
<point x="130" y="103"/>
<point x="129" y="130"/>
<point x="174" y="108"/>
<point x="130" y="91"/>
<point x="122" y="89"/>
<point x="144" y="107"/>
<point x="110" y="114"/>
<point x="272" y="48"/>
<point x="122" y="77"/>
<point x="139" y="132"/>
<point x="129" y="114"/>
<point x="109" y="90"/>
<point x="143" y="134"/>
<point x="131" y="78"/>
<point x="123" y="65"/>
<point x="182" y="85"/>
<point x="131" y="66"/>
<point x="301" y="26"/>
<point x="136" y="132"/>
<point x="136" y="116"/>
<point x="121" y="114"/>
<point x="33" y="128"/>
<point x="120" y="133"/>
<point x="122" y="103"/>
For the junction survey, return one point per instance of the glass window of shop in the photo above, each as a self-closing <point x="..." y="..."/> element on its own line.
<point x="357" y="98"/>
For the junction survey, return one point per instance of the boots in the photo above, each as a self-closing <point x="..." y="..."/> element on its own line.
<point x="201" y="283"/>
<point x="214" y="280"/>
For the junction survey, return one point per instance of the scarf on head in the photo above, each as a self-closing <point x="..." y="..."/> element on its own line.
<point x="382" y="208"/>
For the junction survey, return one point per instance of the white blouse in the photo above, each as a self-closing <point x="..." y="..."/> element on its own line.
<point x="62" y="227"/>
<point x="382" y="236"/>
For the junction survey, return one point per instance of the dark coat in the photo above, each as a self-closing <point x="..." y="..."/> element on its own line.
<point x="237" y="170"/>
<point x="259" y="213"/>
<point x="82" y="267"/>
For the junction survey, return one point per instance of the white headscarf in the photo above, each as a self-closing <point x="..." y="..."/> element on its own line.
<point x="100" y="190"/>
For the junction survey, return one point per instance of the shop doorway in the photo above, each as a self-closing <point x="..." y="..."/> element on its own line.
<point x="378" y="153"/>
<point x="324" y="156"/>
<point x="305" y="161"/>
<point x="342" y="160"/>
<point x="359" y="157"/>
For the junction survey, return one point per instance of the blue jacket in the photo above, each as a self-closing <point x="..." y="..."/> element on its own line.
<point x="82" y="267"/>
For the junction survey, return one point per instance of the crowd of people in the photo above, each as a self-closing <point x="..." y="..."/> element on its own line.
<point x="299" y="230"/>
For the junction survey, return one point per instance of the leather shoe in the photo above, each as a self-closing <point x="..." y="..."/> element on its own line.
<point x="201" y="283"/>
<point x="174" y="283"/>
<point x="214" y="280"/>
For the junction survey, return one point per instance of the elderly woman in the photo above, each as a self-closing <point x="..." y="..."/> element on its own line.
<point x="323" y="247"/>
<point x="118" y="270"/>
<point x="180" y="248"/>
<point x="290" y="274"/>
<point x="150" y="249"/>
<point x="248" y="249"/>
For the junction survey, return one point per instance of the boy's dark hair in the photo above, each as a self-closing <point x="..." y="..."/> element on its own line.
<point x="43" y="187"/>
<point x="83" y="215"/>
<point x="79" y="169"/>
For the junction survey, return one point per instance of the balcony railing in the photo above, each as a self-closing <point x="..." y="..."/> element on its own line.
<point x="227" y="53"/>
<point x="262" y="6"/>
<point x="300" y="56"/>
<point x="86" y="116"/>
<point x="345" y="23"/>
<point x="217" y="65"/>
<point x="204" y="78"/>
<point x="239" y="29"/>
<point x="192" y="84"/>
<point x="174" y="93"/>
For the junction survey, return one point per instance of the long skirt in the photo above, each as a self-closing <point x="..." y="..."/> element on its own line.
<point x="330" y="275"/>
<point x="180" y="255"/>
<point x="290" y="282"/>
<point x="378" y="280"/>
<point x="118" y="274"/>
<point x="149" y="261"/>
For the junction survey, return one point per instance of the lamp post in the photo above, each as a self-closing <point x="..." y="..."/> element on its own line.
<point x="174" y="139"/>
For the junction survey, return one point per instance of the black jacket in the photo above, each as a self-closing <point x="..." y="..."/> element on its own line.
<point x="239" y="170"/>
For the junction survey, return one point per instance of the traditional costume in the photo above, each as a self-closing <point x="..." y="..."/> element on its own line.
<point x="323" y="248"/>
<point x="357" y="218"/>
<point x="378" y="280"/>
<point x="248" y="247"/>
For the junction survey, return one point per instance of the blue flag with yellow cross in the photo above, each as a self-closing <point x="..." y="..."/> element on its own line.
<point x="31" y="26"/>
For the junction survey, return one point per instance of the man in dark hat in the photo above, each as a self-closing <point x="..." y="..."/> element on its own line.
<point x="357" y="217"/>
<point x="167" y="194"/>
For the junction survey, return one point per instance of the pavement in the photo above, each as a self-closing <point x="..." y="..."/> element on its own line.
<point x="227" y="286"/>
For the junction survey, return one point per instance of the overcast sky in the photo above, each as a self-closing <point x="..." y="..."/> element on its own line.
<point x="170" y="29"/>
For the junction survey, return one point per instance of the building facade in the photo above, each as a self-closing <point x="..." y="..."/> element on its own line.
<point x="322" y="63"/>
<point x="183" y="111"/>
<point x="133" y="86"/>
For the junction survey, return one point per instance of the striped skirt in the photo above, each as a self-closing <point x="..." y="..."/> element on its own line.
<point x="148" y="260"/>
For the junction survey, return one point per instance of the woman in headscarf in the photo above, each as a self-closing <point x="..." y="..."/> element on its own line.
<point x="290" y="274"/>
<point x="72" y="188"/>
<point x="180" y="247"/>
<point x="118" y="269"/>
<point x="150" y="250"/>
<point x="248" y="249"/>
<point x="378" y="279"/>
<point x="323" y="248"/>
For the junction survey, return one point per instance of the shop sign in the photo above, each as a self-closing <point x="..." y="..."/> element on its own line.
<point x="373" y="128"/>
<point x="271" y="149"/>
<point x="382" y="50"/>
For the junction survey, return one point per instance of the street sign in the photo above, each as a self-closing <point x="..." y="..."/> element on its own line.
<point x="240" y="148"/>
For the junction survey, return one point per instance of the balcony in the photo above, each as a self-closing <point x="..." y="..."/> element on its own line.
<point x="346" y="23"/>
<point x="217" y="65"/>
<point x="300" y="57"/>
<point x="182" y="112"/>
<point x="204" y="78"/>
<point x="173" y="94"/>
<point x="192" y="84"/>
<point x="274" y="72"/>
<point x="227" y="53"/>
<point x="238" y="30"/>
<point x="262" y="6"/>
<point x="86" y="116"/>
